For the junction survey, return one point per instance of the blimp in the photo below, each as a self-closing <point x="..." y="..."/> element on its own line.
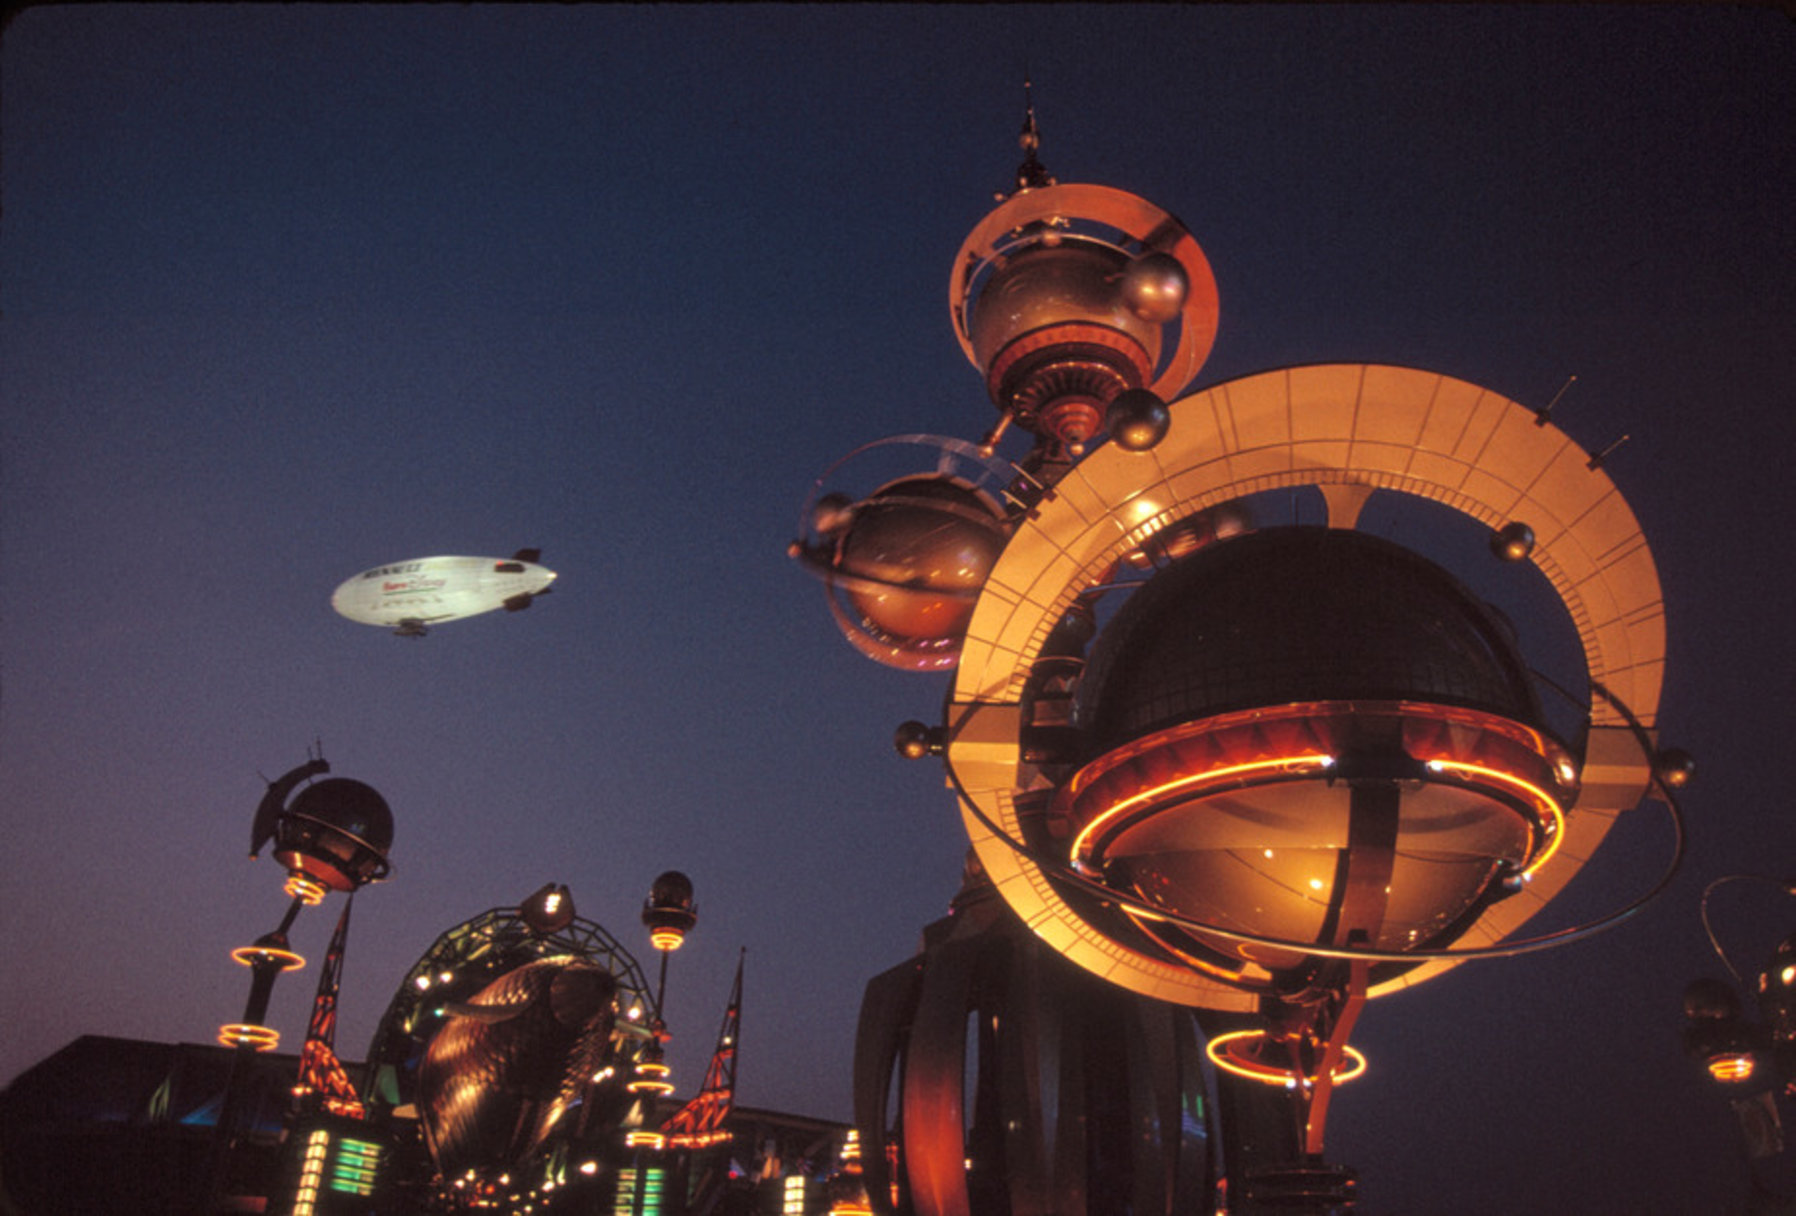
<point x="411" y="596"/>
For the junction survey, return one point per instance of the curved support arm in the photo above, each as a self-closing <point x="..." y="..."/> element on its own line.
<point x="268" y="811"/>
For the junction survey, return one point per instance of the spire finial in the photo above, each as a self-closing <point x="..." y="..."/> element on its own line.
<point x="1031" y="174"/>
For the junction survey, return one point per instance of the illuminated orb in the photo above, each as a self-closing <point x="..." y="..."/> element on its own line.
<point x="1154" y="287"/>
<point x="1347" y="430"/>
<point x="1066" y="295"/>
<point x="1311" y="736"/>
<point x="920" y="550"/>
<point x="905" y="553"/>
<point x="669" y="912"/>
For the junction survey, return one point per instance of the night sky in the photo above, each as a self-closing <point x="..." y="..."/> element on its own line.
<point x="292" y="291"/>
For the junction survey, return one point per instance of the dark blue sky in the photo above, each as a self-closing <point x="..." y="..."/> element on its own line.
<point x="290" y="291"/>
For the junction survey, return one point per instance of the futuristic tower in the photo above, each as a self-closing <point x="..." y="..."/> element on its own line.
<point x="1260" y="769"/>
<point x="333" y="835"/>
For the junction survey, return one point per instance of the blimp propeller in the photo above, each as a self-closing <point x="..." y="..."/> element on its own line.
<point x="410" y="596"/>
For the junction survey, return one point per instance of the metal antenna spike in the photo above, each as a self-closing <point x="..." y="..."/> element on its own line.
<point x="1031" y="174"/>
<point x="1543" y="415"/>
<point x="1596" y="461"/>
<point x="1031" y="136"/>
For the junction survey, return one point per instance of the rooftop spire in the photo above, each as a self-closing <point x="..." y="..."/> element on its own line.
<point x="1031" y="174"/>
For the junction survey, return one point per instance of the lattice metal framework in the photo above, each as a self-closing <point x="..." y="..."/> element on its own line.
<point x="701" y="1121"/>
<point x="322" y="1081"/>
<point x="463" y="960"/>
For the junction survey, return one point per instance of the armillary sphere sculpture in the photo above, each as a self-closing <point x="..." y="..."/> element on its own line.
<point x="1263" y="772"/>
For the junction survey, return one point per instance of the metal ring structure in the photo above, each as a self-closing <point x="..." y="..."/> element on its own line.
<point x="1140" y="221"/>
<point x="1369" y="426"/>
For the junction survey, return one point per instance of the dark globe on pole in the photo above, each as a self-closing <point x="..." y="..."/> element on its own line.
<point x="336" y="831"/>
<point x="1137" y="419"/>
<point x="915" y="740"/>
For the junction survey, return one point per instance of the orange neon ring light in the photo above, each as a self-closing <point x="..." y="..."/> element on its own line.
<point x="1352" y="1065"/>
<point x="1555" y="828"/>
<point x="305" y="888"/>
<point x="247" y="1034"/>
<point x="1304" y="765"/>
<point x="1293" y="766"/>
<point x="1737" y="1067"/>
<point x="249" y="956"/>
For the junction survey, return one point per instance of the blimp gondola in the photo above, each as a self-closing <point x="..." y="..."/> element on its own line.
<point x="410" y="596"/>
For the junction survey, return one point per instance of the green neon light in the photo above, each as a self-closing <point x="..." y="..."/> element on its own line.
<point x="354" y="1169"/>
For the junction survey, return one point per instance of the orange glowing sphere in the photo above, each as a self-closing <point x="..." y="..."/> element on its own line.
<point x="916" y="556"/>
<point x="1312" y="737"/>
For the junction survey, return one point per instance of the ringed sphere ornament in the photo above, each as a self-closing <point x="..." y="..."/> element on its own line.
<point x="1154" y="287"/>
<point x="920" y="549"/>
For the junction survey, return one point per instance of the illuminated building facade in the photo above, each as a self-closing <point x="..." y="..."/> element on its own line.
<point x="118" y="1125"/>
<point x="518" y="1068"/>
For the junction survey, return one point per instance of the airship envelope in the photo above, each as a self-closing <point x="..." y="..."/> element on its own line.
<point x="412" y="595"/>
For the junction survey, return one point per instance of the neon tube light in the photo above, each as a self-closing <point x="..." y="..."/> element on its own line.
<point x="1290" y="766"/>
<point x="305" y="888"/>
<point x="1555" y="827"/>
<point x="1731" y="1068"/>
<point x="249" y="956"/>
<point x="245" y="1034"/>
<point x="1352" y="1064"/>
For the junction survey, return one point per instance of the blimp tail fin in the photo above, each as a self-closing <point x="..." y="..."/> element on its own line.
<point x="532" y="556"/>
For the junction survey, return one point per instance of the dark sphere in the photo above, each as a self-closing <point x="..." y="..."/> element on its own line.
<point x="1709" y="1000"/>
<point x="1675" y="767"/>
<point x="1513" y="542"/>
<point x="1296" y="614"/>
<point x="914" y="740"/>
<point x="669" y="908"/>
<point x="1154" y="287"/>
<point x="671" y="890"/>
<point x="348" y="806"/>
<point x="338" y="832"/>
<point x="1137" y="419"/>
